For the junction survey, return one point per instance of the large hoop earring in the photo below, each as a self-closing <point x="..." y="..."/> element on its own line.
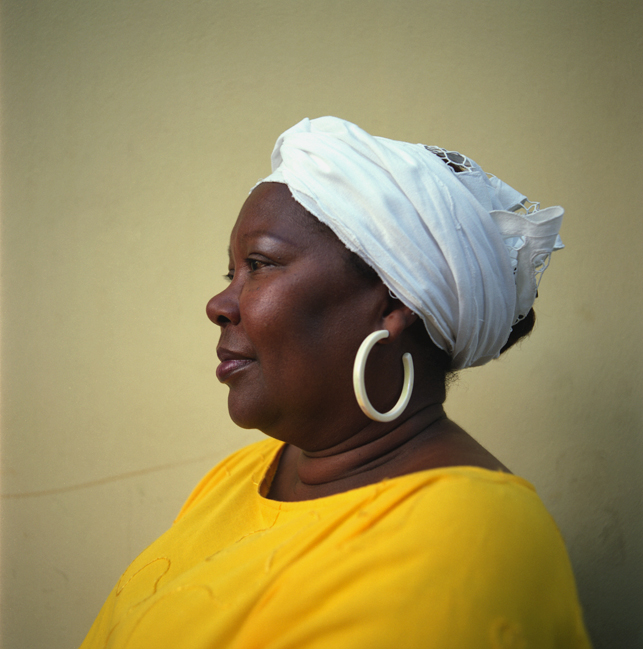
<point x="359" y="384"/>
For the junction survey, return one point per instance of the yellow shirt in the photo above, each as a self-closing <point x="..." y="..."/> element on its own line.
<point x="457" y="557"/>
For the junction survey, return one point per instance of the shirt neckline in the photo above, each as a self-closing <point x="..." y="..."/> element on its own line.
<point x="270" y="462"/>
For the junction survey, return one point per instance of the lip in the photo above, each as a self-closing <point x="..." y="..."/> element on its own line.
<point x="231" y="362"/>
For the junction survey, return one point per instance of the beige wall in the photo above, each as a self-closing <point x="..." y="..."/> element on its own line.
<point x="132" y="130"/>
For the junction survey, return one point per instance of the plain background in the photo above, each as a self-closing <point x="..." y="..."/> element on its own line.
<point x="132" y="131"/>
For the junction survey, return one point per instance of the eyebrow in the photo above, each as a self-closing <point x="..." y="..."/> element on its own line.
<point x="264" y="233"/>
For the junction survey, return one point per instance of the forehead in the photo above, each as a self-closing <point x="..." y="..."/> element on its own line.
<point x="271" y="210"/>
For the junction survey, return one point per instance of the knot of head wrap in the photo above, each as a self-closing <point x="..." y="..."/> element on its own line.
<point x="463" y="250"/>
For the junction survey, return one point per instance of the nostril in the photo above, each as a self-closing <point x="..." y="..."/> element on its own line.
<point x="221" y="320"/>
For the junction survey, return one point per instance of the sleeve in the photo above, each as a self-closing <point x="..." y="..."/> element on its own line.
<point x="465" y="565"/>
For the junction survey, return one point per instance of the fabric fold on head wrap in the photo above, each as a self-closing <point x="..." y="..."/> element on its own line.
<point x="463" y="250"/>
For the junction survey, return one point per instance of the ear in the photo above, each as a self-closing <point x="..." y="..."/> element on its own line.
<point x="397" y="320"/>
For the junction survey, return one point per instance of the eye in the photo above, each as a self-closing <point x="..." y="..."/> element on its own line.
<point x="255" y="264"/>
<point x="229" y="275"/>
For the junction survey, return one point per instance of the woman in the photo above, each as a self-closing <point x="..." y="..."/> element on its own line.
<point x="368" y="519"/>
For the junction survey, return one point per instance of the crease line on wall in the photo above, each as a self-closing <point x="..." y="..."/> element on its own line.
<point x="108" y="479"/>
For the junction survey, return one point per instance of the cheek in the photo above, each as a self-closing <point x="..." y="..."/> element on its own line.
<point x="322" y="338"/>
<point x="300" y="327"/>
<point x="264" y="315"/>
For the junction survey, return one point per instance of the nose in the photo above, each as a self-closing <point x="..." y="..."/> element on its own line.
<point x="223" y="308"/>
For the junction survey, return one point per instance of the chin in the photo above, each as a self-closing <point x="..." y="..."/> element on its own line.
<point x="250" y="413"/>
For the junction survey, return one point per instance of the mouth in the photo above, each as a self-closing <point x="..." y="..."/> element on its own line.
<point x="231" y="363"/>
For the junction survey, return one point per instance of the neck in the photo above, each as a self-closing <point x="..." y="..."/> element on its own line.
<point x="371" y="455"/>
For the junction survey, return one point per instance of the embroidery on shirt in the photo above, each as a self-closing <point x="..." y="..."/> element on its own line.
<point x="119" y="587"/>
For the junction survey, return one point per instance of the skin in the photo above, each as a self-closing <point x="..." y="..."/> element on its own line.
<point x="292" y="319"/>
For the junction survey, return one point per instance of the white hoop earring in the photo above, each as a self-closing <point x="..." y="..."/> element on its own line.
<point x="359" y="384"/>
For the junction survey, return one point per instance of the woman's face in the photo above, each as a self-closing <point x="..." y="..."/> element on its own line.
<point x="291" y="321"/>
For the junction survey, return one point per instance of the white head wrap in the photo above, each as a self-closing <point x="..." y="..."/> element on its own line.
<point x="461" y="249"/>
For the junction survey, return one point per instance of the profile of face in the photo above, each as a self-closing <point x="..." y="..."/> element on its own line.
<point x="292" y="318"/>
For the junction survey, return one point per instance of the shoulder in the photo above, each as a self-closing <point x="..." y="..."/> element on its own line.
<point x="490" y="523"/>
<point x="472" y="497"/>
